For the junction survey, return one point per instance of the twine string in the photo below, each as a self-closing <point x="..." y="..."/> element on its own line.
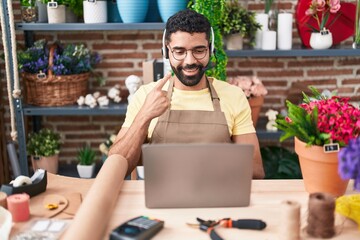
<point x="321" y="217"/>
<point x="289" y="228"/>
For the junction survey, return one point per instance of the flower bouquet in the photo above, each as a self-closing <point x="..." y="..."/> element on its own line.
<point x="58" y="75"/>
<point x="321" y="125"/>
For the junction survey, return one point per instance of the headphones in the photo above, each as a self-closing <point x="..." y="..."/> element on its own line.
<point x="165" y="50"/>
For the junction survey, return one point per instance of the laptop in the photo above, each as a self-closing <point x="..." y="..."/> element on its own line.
<point x="197" y="175"/>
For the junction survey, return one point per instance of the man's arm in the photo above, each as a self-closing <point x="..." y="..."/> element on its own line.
<point x="251" y="138"/>
<point x="129" y="140"/>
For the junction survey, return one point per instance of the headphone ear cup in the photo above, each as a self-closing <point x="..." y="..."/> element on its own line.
<point x="166" y="53"/>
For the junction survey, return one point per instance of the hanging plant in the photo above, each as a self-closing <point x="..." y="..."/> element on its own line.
<point x="214" y="10"/>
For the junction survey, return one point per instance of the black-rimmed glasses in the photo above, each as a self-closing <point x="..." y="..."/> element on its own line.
<point x="181" y="53"/>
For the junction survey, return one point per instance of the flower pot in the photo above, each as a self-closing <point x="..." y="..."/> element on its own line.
<point x="86" y="171"/>
<point x="56" y="14"/>
<point x="113" y="14"/>
<point x="49" y="164"/>
<point x="133" y="11"/>
<point x="320" y="170"/>
<point x="167" y="8"/>
<point x="29" y="14"/>
<point x="42" y="12"/>
<point x="255" y="105"/>
<point x="234" y="41"/>
<point x="153" y="14"/>
<point x="321" y="40"/>
<point x="70" y="16"/>
<point x="95" y="11"/>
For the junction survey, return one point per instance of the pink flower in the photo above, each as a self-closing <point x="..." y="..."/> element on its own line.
<point x="251" y="85"/>
<point x="320" y="10"/>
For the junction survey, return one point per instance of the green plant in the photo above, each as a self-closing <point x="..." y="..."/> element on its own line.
<point x="59" y="2"/>
<point x="320" y="119"/>
<point x="268" y="4"/>
<point x="43" y="143"/>
<point x="86" y="155"/>
<point x="27" y="3"/>
<point x="76" y="6"/>
<point x="356" y="43"/>
<point x="280" y="163"/>
<point x="214" y="10"/>
<point x="237" y="19"/>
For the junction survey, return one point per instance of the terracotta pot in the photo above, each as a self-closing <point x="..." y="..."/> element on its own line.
<point x="320" y="170"/>
<point x="49" y="164"/>
<point x="256" y="104"/>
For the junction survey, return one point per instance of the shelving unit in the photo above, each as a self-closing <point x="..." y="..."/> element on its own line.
<point x="120" y="109"/>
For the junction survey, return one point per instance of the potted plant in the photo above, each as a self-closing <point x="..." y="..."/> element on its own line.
<point x="321" y="125"/>
<point x="44" y="148"/>
<point x="29" y="11"/>
<point x="238" y="23"/>
<point x="105" y="146"/>
<point x="254" y="90"/>
<point x="86" y="158"/>
<point x="57" y="74"/>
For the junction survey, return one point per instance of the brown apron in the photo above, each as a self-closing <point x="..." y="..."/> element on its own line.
<point x="192" y="126"/>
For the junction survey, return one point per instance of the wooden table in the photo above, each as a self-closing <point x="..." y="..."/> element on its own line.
<point x="266" y="199"/>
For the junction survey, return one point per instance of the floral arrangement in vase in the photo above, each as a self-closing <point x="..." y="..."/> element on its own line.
<point x="320" y="10"/>
<point x="349" y="162"/>
<point x="251" y="85"/>
<point x="321" y="119"/>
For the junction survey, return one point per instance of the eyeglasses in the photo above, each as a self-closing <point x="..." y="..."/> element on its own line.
<point x="181" y="53"/>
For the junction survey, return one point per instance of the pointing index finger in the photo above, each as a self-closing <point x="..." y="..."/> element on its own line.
<point x="162" y="82"/>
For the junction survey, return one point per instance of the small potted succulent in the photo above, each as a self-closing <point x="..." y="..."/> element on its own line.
<point x="238" y="23"/>
<point x="44" y="148"/>
<point x="86" y="158"/>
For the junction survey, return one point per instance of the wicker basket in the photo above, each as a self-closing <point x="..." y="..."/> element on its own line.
<point x="51" y="90"/>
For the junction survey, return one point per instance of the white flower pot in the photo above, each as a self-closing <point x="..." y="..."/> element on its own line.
<point x="56" y="14"/>
<point x="86" y="171"/>
<point x="95" y="11"/>
<point x="321" y="40"/>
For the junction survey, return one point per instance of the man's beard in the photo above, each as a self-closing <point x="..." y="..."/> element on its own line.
<point x="189" y="80"/>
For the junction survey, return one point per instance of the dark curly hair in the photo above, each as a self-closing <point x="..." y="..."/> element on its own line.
<point x="188" y="21"/>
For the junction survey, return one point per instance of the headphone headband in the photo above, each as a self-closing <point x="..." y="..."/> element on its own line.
<point x="165" y="51"/>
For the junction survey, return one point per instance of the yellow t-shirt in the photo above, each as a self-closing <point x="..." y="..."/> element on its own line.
<point x="233" y="103"/>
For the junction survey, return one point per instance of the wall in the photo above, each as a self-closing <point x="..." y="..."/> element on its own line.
<point x="123" y="56"/>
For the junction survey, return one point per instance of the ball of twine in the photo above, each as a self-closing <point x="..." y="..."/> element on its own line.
<point x="289" y="227"/>
<point x="321" y="218"/>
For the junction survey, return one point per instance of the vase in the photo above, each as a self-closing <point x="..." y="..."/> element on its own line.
<point x="49" y="164"/>
<point x="29" y="14"/>
<point x="167" y="8"/>
<point x="113" y="14"/>
<point x="95" y="12"/>
<point x="153" y="14"/>
<point x="56" y="14"/>
<point x="234" y="41"/>
<point x="133" y="11"/>
<point x="321" y="40"/>
<point x="320" y="170"/>
<point x="42" y="12"/>
<point x="356" y="43"/>
<point x="255" y="105"/>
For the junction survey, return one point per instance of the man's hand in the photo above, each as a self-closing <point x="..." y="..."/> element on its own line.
<point x="156" y="102"/>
